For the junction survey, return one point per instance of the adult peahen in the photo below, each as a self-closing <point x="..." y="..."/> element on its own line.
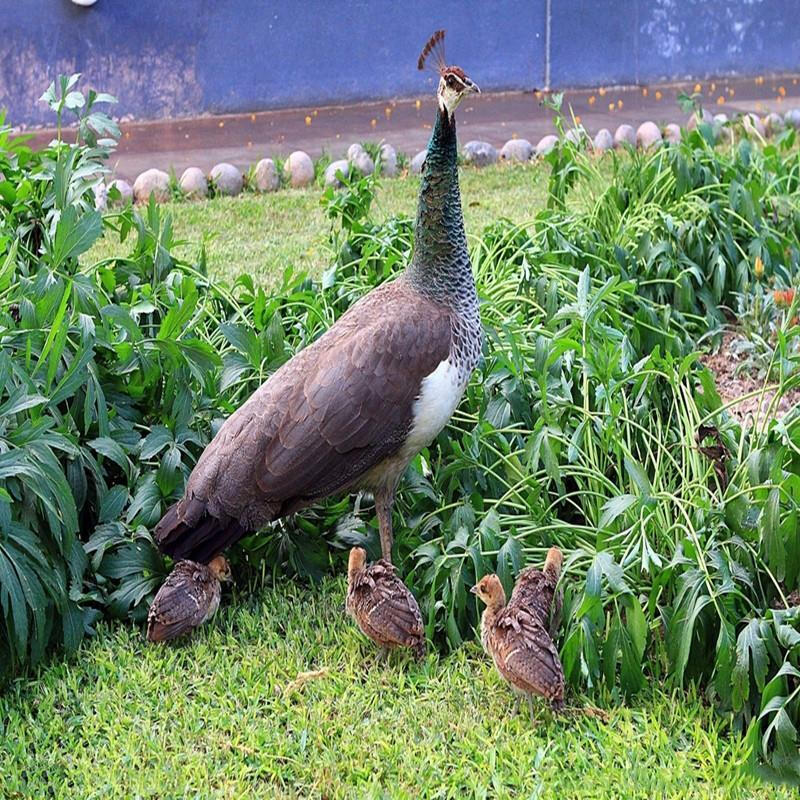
<point x="353" y="408"/>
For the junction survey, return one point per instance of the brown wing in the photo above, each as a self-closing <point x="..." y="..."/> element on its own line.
<point x="534" y="592"/>
<point x="386" y="610"/>
<point x="326" y="417"/>
<point x="525" y="654"/>
<point x="182" y="601"/>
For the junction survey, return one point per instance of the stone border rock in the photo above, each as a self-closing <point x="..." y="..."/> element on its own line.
<point x="298" y="170"/>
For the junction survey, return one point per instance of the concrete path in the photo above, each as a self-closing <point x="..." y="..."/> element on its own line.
<point x="242" y="139"/>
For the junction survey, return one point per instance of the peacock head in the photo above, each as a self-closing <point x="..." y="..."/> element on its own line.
<point x="220" y="569"/>
<point x="357" y="560"/>
<point x="554" y="561"/>
<point x="454" y="84"/>
<point x="490" y="590"/>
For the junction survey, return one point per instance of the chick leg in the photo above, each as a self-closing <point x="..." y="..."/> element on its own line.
<point x="384" y="500"/>
<point x="530" y="708"/>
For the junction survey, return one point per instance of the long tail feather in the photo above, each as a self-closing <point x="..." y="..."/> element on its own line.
<point x="200" y="541"/>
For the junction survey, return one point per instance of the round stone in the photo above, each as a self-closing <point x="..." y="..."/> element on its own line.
<point x="672" y="133"/>
<point x="300" y="168"/>
<point x="774" y="123"/>
<point x="648" y="135"/>
<point x="363" y="163"/>
<point x="792" y="117"/>
<point x="125" y="192"/>
<point x="152" y="182"/>
<point x="480" y="154"/>
<point x="193" y="183"/>
<point x="576" y="135"/>
<point x="693" y="120"/>
<point x="388" y="160"/>
<point x="624" y="134"/>
<point x="227" y="179"/>
<point x="343" y="166"/>
<point x="546" y="144"/>
<point x="100" y="196"/>
<point x="265" y="176"/>
<point x="417" y="162"/>
<point x="603" y="140"/>
<point x="516" y="150"/>
<point x="354" y="150"/>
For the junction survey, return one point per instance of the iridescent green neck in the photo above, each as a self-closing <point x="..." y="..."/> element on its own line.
<point x="440" y="267"/>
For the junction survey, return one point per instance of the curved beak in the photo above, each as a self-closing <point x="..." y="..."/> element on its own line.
<point x="474" y="589"/>
<point x="472" y="87"/>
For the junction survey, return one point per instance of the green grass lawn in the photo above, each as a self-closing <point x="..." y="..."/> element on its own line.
<point x="263" y="234"/>
<point x="211" y="717"/>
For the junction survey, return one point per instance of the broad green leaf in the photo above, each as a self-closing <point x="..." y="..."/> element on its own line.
<point x="75" y="234"/>
<point x="509" y="562"/>
<point x="8" y="266"/>
<point x="177" y="317"/>
<point x="637" y="474"/>
<point x="155" y="441"/>
<point x="584" y="283"/>
<point x="751" y="661"/>
<point x="112" y="504"/>
<point x="683" y="628"/>
<point x="615" y="507"/>
<point x="771" y="535"/>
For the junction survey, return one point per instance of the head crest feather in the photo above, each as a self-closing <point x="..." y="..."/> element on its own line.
<point x="435" y="47"/>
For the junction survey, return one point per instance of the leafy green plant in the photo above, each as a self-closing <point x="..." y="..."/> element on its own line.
<point x="590" y="424"/>
<point x="321" y="163"/>
<point x="175" y="190"/>
<point x="403" y="161"/>
<point x="105" y="395"/>
<point x="95" y="128"/>
<point x="691" y="103"/>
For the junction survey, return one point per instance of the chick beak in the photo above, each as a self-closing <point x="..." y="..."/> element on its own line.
<point x="474" y="589"/>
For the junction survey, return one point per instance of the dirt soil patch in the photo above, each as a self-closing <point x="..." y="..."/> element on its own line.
<point x="734" y="388"/>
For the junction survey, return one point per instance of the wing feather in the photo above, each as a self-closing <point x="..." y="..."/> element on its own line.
<point x="181" y="603"/>
<point x="525" y="654"/>
<point x="324" y="418"/>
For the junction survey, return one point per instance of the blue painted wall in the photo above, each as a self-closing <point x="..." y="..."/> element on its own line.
<point x="178" y="57"/>
<point x="644" y="41"/>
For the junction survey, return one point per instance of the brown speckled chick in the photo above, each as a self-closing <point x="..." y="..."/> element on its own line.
<point x="536" y="591"/>
<point x="382" y="605"/>
<point x="187" y="598"/>
<point x="520" y="646"/>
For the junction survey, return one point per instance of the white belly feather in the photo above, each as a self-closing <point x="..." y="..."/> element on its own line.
<point x="439" y="395"/>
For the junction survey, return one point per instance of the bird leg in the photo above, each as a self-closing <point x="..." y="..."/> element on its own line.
<point x="517" y="702"/>
<point x="384" y="500"/>
<point x="382" y="657"/>
<point x="530" y="708"/>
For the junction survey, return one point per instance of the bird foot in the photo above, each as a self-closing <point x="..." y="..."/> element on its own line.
<point x="586" y="711"/>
